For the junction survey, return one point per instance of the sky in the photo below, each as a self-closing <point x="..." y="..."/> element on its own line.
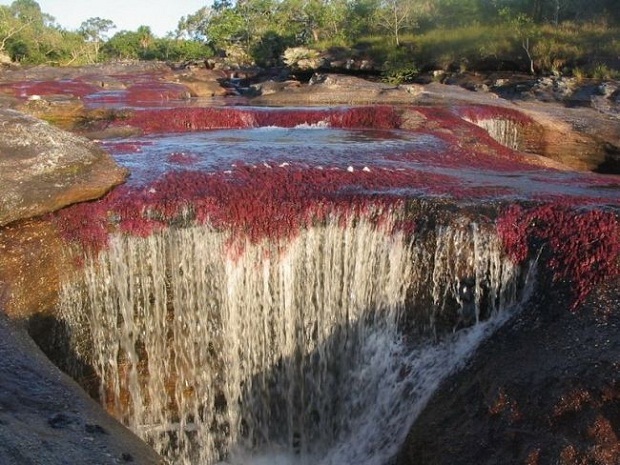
<point x="161" y="15"/>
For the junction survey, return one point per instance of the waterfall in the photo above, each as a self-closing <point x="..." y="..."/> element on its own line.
<point x="291" y="351"/>
<point x="504" y="131"/>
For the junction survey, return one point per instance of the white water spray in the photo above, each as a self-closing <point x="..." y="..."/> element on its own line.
<point x="288" y="353"/>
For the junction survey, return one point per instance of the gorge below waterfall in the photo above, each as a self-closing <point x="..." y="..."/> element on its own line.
<point x="294" y="285"/>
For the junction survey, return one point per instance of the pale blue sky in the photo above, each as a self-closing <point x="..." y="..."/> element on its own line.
<point x="161" y="15"/>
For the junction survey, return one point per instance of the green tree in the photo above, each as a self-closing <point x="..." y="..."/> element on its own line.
<point x="194" y="26"/>
<point x="525" y="31"/>
<point x="124" y="45"/>
<point x="172" y="48"/>
<point x="361" y="18"/>
<point x="94" y="31"/>
<point x="27" y="11"/>
<point x="10" y="26"/>
<point x="396" y="16"/>
<point x="145" y="37"/>
<point x="29" y="35"/>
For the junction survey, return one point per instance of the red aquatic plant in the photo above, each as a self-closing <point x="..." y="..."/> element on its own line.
<point x="378" y="117"/>
<point x="66" y="87"/>
<point x="124" y="147"/>
<point x="254" y="202"/>
<point x="152" y="121"/>
<point x="196" y="119"/>
<point x="582" y="246"/>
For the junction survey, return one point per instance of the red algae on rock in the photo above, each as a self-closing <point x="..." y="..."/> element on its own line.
<point x="582" y="247"/>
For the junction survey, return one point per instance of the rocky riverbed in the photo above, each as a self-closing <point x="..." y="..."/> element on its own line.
<point x="543" y="390"/>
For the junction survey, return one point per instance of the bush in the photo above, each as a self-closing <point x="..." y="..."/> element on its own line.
<point x="269" y="49"/>
<point x="602" y="71"/>
<point x="399" y="67"/>
<point x="301" y="58"/>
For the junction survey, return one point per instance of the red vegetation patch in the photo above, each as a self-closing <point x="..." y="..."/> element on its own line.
<point x="583" y="247"/>
<point x="254" y="202"/>
<point x="606" y="448"/>
<point x="196" y="119"/>
<point x="124" y="147"/>
<point x="533" y="457"/>
<point x="66" y="87"/>
<point x="603" y="433"/>
<point x="570" y="456"/>
<point x="505" y="405"/>
<point x="574" y="401"/>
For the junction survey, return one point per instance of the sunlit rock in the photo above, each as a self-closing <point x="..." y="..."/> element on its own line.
<point x="43" y="169"/>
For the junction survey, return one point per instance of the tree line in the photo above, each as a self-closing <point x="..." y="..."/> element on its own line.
<point x="259" y="31"/>
<point x="259" y="25"/>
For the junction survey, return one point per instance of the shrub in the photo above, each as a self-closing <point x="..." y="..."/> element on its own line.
<point x="602" y="71"/>
<point x="301" y="58"/>
<point x="400" y="67"/>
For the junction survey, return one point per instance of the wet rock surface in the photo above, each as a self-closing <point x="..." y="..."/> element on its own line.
<point x="545" y="389"/>
<point x="46" y="418"/>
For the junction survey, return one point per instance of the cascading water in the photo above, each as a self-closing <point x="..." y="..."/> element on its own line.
<point x="287" y="351"/>
<point x="504" y="131"/>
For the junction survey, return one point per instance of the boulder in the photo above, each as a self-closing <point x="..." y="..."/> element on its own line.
<point x="202" y="82"/>
<point x="43" y="168"/>
<point x="329" y="89"/>
<point x="46" y="417"/>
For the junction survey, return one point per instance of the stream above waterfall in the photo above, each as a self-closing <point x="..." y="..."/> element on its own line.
<point x="441" y="167"/>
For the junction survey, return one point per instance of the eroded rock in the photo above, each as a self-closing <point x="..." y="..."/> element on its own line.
<point x="543" y="390"/>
